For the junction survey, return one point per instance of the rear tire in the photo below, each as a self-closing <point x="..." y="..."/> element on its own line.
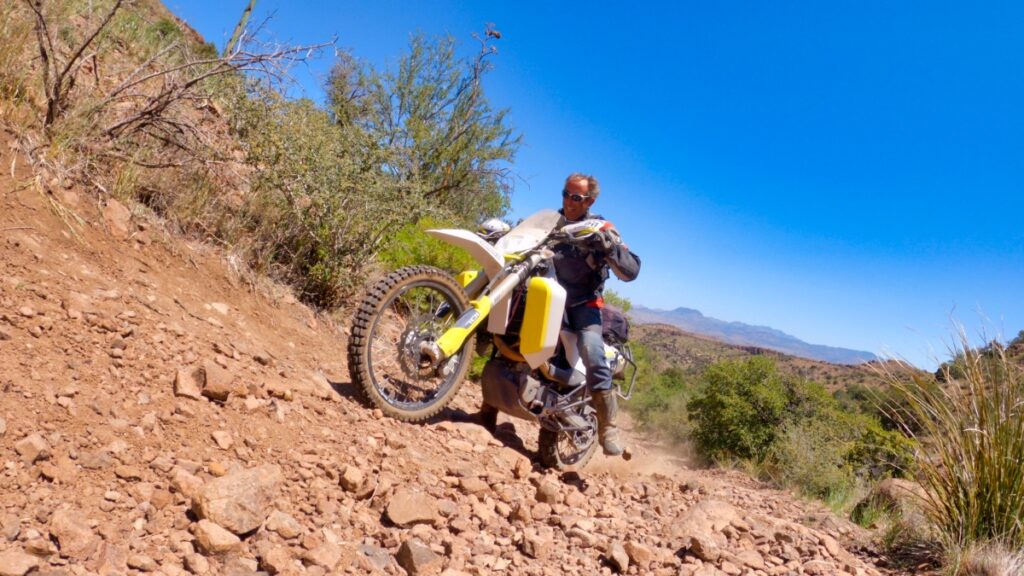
<point x="568" y="451"/>
<point x="409" y="306"/>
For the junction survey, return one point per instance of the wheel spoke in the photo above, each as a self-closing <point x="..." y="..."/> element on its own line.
<point x="410" y="318"/>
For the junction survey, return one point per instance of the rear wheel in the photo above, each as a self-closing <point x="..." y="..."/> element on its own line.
<point x="409" y="307"/>
<point x="569" y="449"/>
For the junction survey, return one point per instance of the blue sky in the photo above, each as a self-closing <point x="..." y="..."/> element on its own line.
<point x="849" y="173"/>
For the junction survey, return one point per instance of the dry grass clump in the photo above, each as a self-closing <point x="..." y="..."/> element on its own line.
<point x="970" y="458"/>
<point x="991" y="560"/>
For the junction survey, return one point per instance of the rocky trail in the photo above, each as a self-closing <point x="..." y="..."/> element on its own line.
<point x="161" y="414"/>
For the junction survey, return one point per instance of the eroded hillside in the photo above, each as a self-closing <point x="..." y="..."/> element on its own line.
<point x="161" y="414"/>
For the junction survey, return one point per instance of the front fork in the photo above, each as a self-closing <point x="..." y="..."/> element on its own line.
<point x="452" y="340"/>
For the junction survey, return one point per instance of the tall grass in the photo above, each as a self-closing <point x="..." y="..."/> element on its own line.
<point x="971" y="451"/>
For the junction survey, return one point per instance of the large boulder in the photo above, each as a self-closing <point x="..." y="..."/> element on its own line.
<point x="239" y="502"/>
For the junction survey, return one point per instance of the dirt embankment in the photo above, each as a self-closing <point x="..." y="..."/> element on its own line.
<point x="159" y="415"/>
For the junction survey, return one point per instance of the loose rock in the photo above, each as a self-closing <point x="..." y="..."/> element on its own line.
<point x="418" y="559"/>
<point x="239" y="502"/>
<point x="32" y="448"/>
<point x="16" y="563"/>
<point x="618" y="557"/>
<point x="407" y="507"/>
<point x="75" y="540"/>
<point x="214" y="539"/>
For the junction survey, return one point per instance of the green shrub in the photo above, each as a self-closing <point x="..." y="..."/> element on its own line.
<point x="877" y="452"/>
<point x="792" y="430"/>
<point x="320" y="207"/>
<point x="739" y="409"/>
<point x="411" y="245"/>
<point x="809" y="454"/>
<point x="659" y="403"/>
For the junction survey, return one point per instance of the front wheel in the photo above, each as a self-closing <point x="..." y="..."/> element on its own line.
<point x="409" y="307"/>
<point x="569" y="449"/>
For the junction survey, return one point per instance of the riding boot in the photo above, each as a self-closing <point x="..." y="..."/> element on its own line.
<point x="488" y="417"/>
<point x="606" y="405"/>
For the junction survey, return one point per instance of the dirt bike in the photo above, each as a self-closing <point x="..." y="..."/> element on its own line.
<point x="415" y="332"/>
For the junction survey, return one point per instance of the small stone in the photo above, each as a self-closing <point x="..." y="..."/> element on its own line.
<point x="278" y="560"/>
<point x="111" y="559"/>
<point x="352" y="478"/>
<point x="118" y="219"/>
<point x="197" y="564"/>
<point x="284" y="524"/>
<point x="17" y="563"/>
<point x="472" y="485"/>
<point x="131" y="473"/>
<point x="418" y="559"/>
<point x="408" y="507"/>
<point x="639" y="554"/>
<point x="751" y="559"/>
<point x="223" y="439"/>
<point x="214" y="539"/>
<point x="218" y="382"/>
<point x="618" y="557"/>
<point x="548" y="492"/>
<point x="76" y="540"/>
<point x="26" y="311"/>
<point x="143" y="562"/>
<point x="10" y="527"/>
<point x="535" y="546"/>
<point x="184" y="482"/>
<point x="239" y="502"/>
<point x="541" y="511"/>
<point x="32" y="448"/>
<point x="189" y="383"/>
<point x="730" y="568"/>
<point x="326" y="555"/>
<point x="704" y="548"/>
<point x="833" y="548"/>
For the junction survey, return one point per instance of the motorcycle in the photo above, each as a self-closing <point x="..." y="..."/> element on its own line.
<point x="415" y="332"/>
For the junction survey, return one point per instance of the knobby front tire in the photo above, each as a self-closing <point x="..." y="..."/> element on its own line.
<point x="410" y="306"/>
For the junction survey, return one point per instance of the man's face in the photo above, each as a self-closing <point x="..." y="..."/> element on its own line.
<point x="575" y="209"/>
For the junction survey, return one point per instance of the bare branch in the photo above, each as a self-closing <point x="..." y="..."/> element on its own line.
<point x="88" y="41"/>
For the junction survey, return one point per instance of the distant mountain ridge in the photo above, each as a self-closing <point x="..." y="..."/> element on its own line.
<point x="742" y="334"/>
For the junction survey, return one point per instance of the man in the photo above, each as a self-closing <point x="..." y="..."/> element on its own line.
<point x="582" y="271"/>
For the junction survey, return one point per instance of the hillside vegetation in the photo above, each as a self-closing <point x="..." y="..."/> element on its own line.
<point x="957" y="431"/>
<point x="137" y="108"/>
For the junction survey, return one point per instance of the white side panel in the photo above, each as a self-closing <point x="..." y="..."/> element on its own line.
<point x="477" y="247"/>
<point x="497" y="323"/>
<point x="572" y="352"/>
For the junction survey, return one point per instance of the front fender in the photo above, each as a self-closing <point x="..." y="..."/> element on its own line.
<point x="478" y="248"/>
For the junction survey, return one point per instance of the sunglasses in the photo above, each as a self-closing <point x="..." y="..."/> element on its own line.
<point x="574" y="197"/>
